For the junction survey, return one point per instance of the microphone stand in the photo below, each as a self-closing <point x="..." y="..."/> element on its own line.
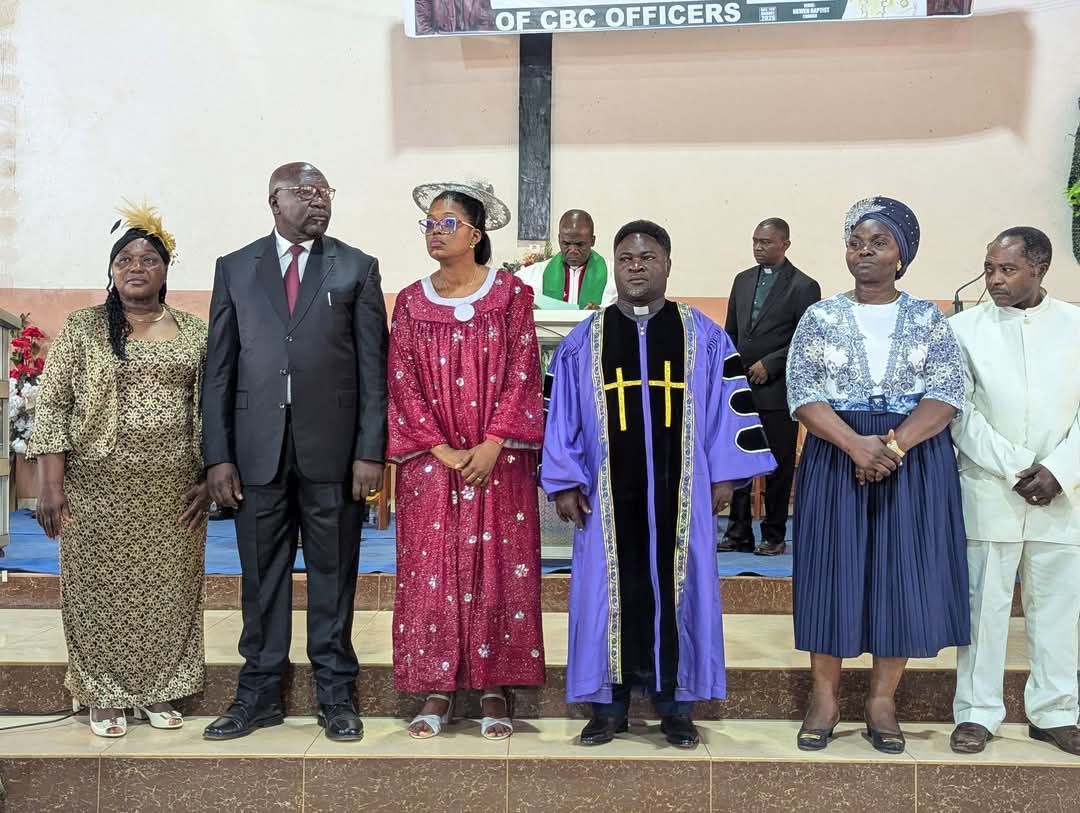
<point x="958" y="306"/>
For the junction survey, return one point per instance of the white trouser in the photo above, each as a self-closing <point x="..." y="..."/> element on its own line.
<point x="1050" y="586"/>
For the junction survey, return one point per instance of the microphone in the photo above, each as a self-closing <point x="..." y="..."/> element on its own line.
<point x="956" y="303"/>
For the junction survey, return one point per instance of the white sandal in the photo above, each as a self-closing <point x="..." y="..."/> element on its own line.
<point x="160" y="719"/>
<point x="105" y="728"/>
<point x="434" y="722"/>
<point x="487" y="723"/>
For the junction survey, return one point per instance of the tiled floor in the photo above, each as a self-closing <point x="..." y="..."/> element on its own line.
<point x="740" y="767"/>
<point x="751" y="641"/>
<point x="725" y="740"/>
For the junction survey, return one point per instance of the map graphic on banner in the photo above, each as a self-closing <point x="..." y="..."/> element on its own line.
<point x="434" y="18"/>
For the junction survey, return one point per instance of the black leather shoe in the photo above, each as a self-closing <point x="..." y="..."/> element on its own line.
<point x="341" y="722"/>
<point x="241" y="719"/>
<point x="969" y="738"/>
<point x="771" y="549"/>
<point x="1066" y="737"/>
<point x="601" y="730"/>
<point x="679" y="731"/>
<point x="729" y="545"/>
<point x="816" y="739"/>
<point x="887" y="742"/>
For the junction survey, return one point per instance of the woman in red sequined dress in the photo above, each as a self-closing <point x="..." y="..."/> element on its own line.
<point x="465" y="427"/>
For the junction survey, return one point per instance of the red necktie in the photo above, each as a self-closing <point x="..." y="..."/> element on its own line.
<point x="292" y="277"/>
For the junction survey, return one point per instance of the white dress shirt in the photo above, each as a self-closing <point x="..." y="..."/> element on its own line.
<point x="285" y="258"/>
<point x="285" y="255"/>
<point x="1022" y="394"/>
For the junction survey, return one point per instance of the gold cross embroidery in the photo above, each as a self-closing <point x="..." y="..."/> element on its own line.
<point x="620" y="386"/>
<point x="668" y="386"/>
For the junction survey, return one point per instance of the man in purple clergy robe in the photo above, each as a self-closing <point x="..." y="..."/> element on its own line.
<point x="651" y="425"/>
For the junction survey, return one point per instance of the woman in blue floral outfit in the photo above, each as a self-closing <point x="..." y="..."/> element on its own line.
<point x="876" y="376"/>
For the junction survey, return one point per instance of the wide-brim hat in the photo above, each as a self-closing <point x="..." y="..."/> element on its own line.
<point x="497" y="213"/>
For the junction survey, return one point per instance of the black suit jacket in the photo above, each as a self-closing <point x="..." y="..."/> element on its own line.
<point x="334" y="346"/>
<point x="767" y="339"/>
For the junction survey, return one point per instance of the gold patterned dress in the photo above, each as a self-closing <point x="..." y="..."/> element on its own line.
<point x="131" y="575"/>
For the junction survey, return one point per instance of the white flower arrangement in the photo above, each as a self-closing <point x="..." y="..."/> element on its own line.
<point x="21" y="415"/>
<point x="27" y="365"/>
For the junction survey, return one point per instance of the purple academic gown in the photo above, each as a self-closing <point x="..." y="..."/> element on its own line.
<point x="722" y="442"/>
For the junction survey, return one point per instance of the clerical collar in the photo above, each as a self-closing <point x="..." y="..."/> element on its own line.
<point x="641" y="313"/>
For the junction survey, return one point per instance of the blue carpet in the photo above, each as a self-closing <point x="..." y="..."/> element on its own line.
<point x="30" y="551"/>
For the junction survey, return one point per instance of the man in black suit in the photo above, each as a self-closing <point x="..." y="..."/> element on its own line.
<point x="766" y="304"/>
<point x="294" y="417"/>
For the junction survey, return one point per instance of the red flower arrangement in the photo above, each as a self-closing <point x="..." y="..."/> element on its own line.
<point x="26" y="361"/>
<point x="26" y="367"/>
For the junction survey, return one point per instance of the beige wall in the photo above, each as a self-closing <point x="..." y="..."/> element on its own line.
<point x="191" y="104"/>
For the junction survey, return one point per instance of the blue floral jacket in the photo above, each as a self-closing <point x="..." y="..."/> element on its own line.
<point x="827" y="360"/>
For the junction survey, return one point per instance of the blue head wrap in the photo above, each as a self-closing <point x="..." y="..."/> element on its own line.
<point x="893" y="215"/>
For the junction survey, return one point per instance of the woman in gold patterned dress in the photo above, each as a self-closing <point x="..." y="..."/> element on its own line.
<point x="117" y="434"/>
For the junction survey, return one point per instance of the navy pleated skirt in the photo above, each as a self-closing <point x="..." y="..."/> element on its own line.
<point x="880" y="568"/>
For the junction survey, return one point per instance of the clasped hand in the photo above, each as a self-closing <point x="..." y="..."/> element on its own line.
<point x="874" y="460"/>
<point x="475" y="464"/>
<point x="1037" y="485"/>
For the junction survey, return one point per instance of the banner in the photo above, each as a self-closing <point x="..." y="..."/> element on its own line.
<point x="435" y="18"/>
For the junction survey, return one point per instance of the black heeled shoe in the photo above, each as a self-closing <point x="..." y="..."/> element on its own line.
<point x="815" y="739"/>
<point x="886" y="743"/>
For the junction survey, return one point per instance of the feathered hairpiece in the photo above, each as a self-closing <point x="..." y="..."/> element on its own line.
<point x="145" y="218"/>
<point x="857" y="212"/>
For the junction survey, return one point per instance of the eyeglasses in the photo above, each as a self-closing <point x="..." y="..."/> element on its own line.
<point x="308" y="192"/>
<point x="448" y="225"/>
<point x="148" y="262"/>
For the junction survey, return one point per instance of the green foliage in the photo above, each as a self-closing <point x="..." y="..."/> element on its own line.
<point x="1072" y="194"/>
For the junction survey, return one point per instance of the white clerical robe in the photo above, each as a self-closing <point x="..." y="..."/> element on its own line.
<point x="533" y="276"/>
<point x="1022" y="407"/>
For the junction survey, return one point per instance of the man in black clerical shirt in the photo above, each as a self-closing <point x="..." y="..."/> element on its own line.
<point x="767" y="301"/>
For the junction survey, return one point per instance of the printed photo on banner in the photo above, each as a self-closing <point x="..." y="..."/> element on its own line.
<point x="426" y="18"/>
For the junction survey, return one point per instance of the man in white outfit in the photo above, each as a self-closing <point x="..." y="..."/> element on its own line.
<point x="1019" y="456"/>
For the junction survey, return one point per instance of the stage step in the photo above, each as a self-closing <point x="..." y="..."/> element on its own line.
<point x="743" y="766"/>
<point x="751" y="595"/>
<point x="767" y="677"/>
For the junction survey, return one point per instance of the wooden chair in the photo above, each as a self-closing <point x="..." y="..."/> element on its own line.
<point x="382" y="505"/>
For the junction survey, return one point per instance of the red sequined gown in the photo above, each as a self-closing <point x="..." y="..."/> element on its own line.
<point x="467" y="608"/>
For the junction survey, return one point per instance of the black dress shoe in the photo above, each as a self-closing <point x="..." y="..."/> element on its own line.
<point x="771" y="549"/>
<point x="1066" y="737"/>
<point x="969" y="738"/>
<point x="601" y="730"/>
<point x="241" y="719"/>
<point x="729" y="545"/>
<point x="815" y="739"/>
<point x="679" y="731"/>
<point x="887" y="742"/>
<point x="341" y="722"/>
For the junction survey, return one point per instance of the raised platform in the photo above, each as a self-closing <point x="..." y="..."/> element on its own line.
<point x="767" y="677"/>
<point x="375" y="591"/>
<point x="741" y="766"/>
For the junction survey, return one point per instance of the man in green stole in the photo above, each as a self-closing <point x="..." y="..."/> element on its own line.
<point x="577" y="274"/>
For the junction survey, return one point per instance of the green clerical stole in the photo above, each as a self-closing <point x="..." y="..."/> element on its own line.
<point x="593" y="280"/>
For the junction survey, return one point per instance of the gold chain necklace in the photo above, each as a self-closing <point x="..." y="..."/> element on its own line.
<point x="157" y="318"/>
